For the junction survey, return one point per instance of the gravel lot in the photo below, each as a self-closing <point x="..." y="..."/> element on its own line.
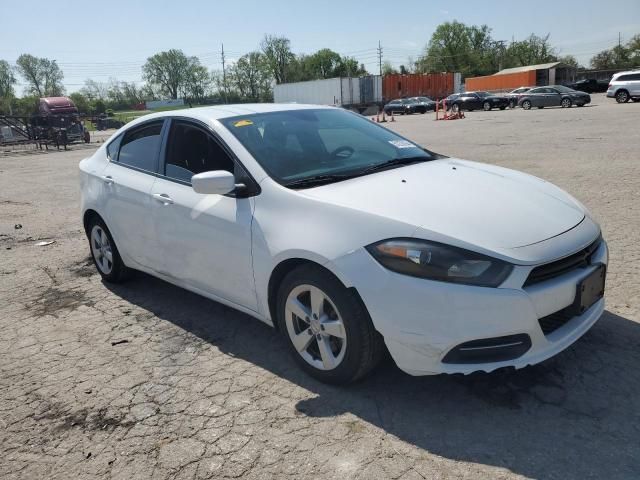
<point x="146" y="380"/>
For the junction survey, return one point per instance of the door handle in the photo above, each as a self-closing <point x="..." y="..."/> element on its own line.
<point x="108" y="179"/>
<point x="163" y="197"/>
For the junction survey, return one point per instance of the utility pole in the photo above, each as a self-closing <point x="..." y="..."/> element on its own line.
<point x="619" y="39"/>
<point x="224" y="77"/>
<point x="380" y="56"/>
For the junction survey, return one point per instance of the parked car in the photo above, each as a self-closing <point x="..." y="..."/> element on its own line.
<point x="514" y="95"/>
<point x="426" y="102"/>
<point x="332" y="229"/>
<point x="553" y="96"/>
<point x="479" y="100"/>
<point x="448" y="101"/>
<point x="625" y="86"/>
<point x="404" y="106"/>
<point x="590" y="85"/>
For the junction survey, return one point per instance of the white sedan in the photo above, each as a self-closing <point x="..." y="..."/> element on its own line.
<point x="347" y="237"/>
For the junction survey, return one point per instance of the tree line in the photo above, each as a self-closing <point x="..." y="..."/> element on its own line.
<point x="453" y="47"/>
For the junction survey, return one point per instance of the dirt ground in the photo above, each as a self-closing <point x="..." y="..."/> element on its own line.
<point x="145" y="380"/>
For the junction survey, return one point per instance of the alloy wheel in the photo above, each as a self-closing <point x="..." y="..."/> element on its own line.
<point x="566" y="103"/>
<point x="315" y="327"/>
<point x="526" y="105"/>
<point x="622" y="97"/>
<point x="486" y="106"/>
<point x="101" y="249"/>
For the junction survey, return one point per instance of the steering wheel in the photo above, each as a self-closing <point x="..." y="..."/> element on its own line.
<point x="344" y="151"/>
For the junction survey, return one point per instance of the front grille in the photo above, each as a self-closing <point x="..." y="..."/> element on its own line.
<point x="551" y="323"/>
<point x="547" y="271"/>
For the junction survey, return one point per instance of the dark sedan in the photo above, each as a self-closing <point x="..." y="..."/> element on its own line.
<point x="479" y="100"/>
<point x="448" y="101"/>
<point x="403" y="106"/>
<point x="553" y="96"/>
<point x="426" y="102"/>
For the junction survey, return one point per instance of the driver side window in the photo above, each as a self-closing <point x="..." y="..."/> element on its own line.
<point x="191" y="150"/>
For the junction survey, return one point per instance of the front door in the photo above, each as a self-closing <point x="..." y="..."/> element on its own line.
<point x="205" y="240"/>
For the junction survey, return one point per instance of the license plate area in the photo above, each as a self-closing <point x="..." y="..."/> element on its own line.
<point x="589" y="290"/>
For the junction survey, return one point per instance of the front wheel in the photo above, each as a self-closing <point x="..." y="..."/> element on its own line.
<point x="526" y="105"/>
<point x="486" y="106"/>
<point x="565" y="103"/>
<point x="328" y="330"/>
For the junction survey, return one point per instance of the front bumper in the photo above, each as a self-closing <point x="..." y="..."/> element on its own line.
<point x="422" y="320"/>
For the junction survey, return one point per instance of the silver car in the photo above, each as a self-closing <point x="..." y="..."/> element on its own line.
<point x="624" y="86"/>
<point x="553" y="96"/>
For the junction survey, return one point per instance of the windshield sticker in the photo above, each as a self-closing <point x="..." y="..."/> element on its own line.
<point x="243" y="123"/>
<point x="402" y="144"/>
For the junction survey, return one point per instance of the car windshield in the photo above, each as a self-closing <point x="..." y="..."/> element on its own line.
<point x="482" y="94"/>
<point x="294" y="145"/>
<point x="563" y="89"/>
<point x="425" y="99"/>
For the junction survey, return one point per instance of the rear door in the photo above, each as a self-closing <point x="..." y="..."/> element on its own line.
<point x="205" y="240"/>
<point x="128" y="180"/>
<point x="553" y="98"/>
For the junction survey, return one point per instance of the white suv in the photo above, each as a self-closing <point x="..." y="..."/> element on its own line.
<point x="624" y="86"/>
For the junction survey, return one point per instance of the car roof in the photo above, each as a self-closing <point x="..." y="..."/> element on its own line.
<point x="216" y="112"/>
<point x="616" y="75"/>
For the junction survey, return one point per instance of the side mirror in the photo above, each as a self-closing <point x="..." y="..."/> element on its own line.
<point x="218" y="182"/>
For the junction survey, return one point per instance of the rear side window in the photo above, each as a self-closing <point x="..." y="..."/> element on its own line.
<point x="112" y="149"/>
<point x="140" y="146"/>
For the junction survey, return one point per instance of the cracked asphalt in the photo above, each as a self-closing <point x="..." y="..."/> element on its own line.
<point x="145" y="380"/>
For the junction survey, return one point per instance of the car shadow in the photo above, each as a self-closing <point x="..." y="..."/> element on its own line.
<point x="574" y="416"/>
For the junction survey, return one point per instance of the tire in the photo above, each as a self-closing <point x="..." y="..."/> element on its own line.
<point x="486" y="106"/>
<point x="455" y="108"/>
<point x="102" y="247"/>
<point x="526" y="105"/>
<point x="580" y="104"/>
<point x="540" y="107"/>
<point x="565" y="103"/>
<point x="502" y="108"/>
<point x="622" y="96"/>
<point x="635" y="100"/>
<point x="337" y="359"/>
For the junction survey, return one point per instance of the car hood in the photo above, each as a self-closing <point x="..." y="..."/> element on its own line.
<point x="492" y="207"/>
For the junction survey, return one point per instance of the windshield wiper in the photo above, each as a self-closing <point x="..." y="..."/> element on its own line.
<point x="392" y="163"/>
<point x="316" y="180"/>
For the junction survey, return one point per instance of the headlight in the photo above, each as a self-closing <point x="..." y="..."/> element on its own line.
<point x="436" y="261"/>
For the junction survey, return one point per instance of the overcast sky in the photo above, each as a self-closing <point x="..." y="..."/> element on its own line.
<point x="113" y="38"/>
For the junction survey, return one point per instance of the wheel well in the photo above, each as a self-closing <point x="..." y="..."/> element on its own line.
<point x="281" y="271"/>
<point x="86" y="219"/>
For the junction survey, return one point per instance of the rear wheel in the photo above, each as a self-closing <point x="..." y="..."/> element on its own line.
<point x="328" y="330"/>
<point x="105" y="253"/>
<point x="635" y="100"/>
<point x="486" y="106"/>
<point x="526" y="105"/>
<point x="502" y="108"/>
<point x="622" y="96"/>
<point x="565" y="103"/>
<point x="455" y="108"/>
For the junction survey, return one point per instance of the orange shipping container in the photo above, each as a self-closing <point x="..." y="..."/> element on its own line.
<point x="435" y="85"/>
<point x="508" y="81"/>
